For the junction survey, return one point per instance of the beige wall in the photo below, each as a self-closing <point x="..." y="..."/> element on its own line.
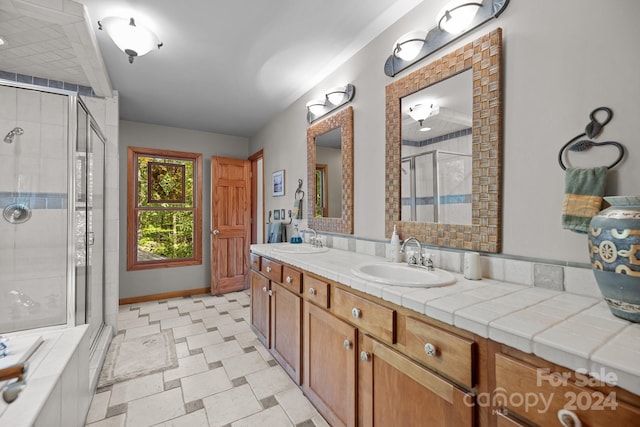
<point x="155" y="281"/>
<point x="561" y="60"/>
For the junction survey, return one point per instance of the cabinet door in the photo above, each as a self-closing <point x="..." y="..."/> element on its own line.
<point x="260" y="307"/>
<point x="395" y="391"/>
<point x="330" y="365"/>
<point x="286" y="330"/>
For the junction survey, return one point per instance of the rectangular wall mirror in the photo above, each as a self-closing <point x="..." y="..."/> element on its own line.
<point x="444" y="149"/>
<point x="330" y="173"/>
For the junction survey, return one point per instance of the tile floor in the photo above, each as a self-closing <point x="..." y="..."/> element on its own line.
<point x="225" y="376"/>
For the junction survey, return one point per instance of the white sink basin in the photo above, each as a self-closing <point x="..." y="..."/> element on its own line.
<point x="403" y="275"/>
<point x="299" y="248"/>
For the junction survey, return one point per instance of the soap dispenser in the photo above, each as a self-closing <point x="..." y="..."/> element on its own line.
<point x="296" y="238"/>
<point x="396" y="254"/>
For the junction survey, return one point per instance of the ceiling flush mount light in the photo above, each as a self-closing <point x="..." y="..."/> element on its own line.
<point x="456" y="19"/>
<point x="333" y="99"/>
<point x="457" y="15"/>
<point x="134" y="40"/>
<point x="419" y="113"/>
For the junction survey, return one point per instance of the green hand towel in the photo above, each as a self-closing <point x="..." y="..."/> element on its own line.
<point x="583" y="190"/>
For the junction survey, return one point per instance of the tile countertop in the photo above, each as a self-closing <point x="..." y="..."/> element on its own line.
<point x="570" y="330"/>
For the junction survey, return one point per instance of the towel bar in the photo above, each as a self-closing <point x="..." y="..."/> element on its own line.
<point x="592" y="130"/>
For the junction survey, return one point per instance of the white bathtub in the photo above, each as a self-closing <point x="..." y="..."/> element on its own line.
<point x="59" y="388"/>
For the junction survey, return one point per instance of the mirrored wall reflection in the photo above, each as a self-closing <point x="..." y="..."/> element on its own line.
<point x="436" y="159"/>
<point x="329" y="174"/>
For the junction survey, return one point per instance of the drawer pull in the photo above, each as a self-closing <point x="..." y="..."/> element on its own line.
<point x="347" y="344"/>
<point x="430" y="349"/>
<point x="365" y="356"/>
<point x="264" y="289"/>
<point x="270" y="293"/>
<point x="312" y="291"/>
<point x="356" y="313"/>
<point x="268" y="269"/>
<point x="289" y="279"/>
<point x="568" y="418"/>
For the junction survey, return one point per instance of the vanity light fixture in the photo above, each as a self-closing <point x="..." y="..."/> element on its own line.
<point x="333" y="99"/>
<point x="134" y="40"/>
<point x="457" y="15"/>
<point x="408" y="46"/>
<point x="2" y="41"/>
<point x="457" y="18"/>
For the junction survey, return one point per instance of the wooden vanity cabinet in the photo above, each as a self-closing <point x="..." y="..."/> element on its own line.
<point x="276" y="313"/>
<point x="260" y="287"/>
<point x="330" y="357"/>
<point x="426" y="399"/>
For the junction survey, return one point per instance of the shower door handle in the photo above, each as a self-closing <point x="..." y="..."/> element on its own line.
<point x="90" y="238"/>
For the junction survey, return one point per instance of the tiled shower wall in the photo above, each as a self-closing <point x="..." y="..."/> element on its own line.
<point x="33" y="255"/>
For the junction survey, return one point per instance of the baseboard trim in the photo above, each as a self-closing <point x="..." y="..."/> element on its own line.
<point x="164" y="295"/>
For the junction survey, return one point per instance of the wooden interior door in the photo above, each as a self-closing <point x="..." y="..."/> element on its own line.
<point x="230" y="224"/>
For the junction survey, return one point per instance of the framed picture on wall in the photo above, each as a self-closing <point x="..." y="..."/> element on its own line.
<point x="277" y="188"/>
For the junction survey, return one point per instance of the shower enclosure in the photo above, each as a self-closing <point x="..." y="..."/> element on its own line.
<point x="436" y="187"/>
<point x="52" y="203"/>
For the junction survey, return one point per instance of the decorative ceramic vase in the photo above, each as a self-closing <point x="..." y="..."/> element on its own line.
<point x="614" y="246"/>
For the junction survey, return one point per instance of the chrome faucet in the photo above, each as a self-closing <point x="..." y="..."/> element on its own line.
<point x="413" y="260"/>
<point x="314" y="240"/>
<point x="419" y="260"/>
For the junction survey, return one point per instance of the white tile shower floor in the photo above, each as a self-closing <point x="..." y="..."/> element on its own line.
<point x="225" y="376"/>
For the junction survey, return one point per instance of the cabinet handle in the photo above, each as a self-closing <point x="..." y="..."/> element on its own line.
<point x="356" y="313"/>
<point x="347" y="344"/>
<point x="569" y="418"/>
<point x="270" y="292"/>
<point x="312" y="291"/>
<point x="268" y="269"/>
<point x="289" y="279"/>
<point x="365" y="356"/>
<point x="264" y="289"/>
<point x="430" y="349"/>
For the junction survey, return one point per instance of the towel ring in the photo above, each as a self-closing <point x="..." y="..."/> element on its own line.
<point x="592" y="130"/>
<point x="299" y="191"/>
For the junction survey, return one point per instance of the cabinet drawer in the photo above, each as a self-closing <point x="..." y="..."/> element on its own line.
<point x="545" y="393"/>
<point x="255" y="262"/>
<point x="271" y="269"/>
<point x="441" y="350"/>
<point x="379" y="320"/>
<point x="316" y="291"/>
<point x="292" y="279"/>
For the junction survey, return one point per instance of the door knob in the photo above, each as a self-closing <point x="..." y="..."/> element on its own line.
<point x="216" y="232"/>
<point x="312" y="291"/>
<point x="347" y="344"/>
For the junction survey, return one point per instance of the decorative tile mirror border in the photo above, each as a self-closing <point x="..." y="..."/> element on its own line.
<point x="484" y="57"/>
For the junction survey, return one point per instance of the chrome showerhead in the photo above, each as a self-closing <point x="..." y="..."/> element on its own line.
<point x="12" y="134"/>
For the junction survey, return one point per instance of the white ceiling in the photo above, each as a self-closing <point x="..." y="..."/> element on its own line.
<point x="225" y="67"/>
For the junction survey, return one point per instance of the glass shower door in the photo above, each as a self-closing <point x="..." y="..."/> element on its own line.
<point x="89" y="224"/>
